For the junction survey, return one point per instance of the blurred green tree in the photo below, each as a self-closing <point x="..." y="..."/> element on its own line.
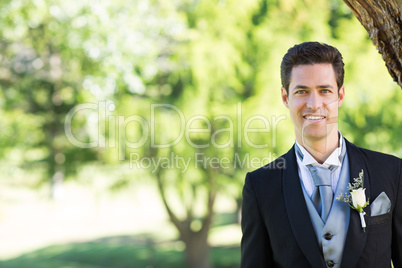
<point x="56" y="55"/>
<point x="40" y="82"/>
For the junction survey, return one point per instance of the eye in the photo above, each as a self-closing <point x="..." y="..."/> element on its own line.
<point x="326" y="91"/>
<point x="300" y="91"/>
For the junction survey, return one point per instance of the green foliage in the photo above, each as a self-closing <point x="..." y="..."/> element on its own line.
<point x="56" y="55"/>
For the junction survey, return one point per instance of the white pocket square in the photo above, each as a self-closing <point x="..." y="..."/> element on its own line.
<point x="381" y="205"/>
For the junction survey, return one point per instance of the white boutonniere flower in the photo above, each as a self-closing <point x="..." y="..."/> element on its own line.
<point x="357" y="197"/>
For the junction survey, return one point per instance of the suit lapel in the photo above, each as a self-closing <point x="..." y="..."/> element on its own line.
<point x="356" y="238"/>
<point x="298" y="214"/>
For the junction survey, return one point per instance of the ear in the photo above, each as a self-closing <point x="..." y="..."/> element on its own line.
<point x="341" y="95"/>
<point x="285" y="99"/>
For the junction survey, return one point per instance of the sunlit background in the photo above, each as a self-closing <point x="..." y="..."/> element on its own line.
<point x="127" y="127"/>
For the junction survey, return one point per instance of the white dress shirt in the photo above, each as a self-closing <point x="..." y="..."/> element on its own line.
<point x="332" y="160"/>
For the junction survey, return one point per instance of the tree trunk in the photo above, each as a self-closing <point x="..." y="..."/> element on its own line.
<point x="383" y="21"/>
<point x="57" y="187"/>
<point x="237" y="216"/>
<point x="197" y="249"/>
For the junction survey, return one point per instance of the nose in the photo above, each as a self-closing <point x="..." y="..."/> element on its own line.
<point x="314" y="101"/>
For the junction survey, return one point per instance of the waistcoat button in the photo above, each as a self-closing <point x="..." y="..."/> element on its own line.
<point x="328" y="236"/>
<point x="330" y="263"/>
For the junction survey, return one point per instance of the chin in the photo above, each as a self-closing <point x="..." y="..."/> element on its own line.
<point x="314" y="136"/>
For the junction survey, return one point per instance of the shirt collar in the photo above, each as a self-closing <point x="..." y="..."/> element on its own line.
<point x="332" y="160"/>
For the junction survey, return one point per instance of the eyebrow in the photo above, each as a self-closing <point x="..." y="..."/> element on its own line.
<point x="325" y="86"/>
<point x="306" y="87"/>
<point x="300" y="87"/>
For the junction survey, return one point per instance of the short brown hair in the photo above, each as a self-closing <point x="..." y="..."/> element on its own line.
<point x="309" y="53"/>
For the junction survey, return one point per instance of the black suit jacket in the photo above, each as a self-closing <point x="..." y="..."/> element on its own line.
<point x="277" y="231"/>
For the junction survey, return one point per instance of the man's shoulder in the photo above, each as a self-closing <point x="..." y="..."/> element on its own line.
<point x="275" y="167"/>
<point x="376" y="156"/>
<point x="267" y="180"/>
<point x="379" y="160"/>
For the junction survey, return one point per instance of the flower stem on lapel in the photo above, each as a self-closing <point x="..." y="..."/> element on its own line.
<point x="362" y="220"/>
<point x="357" y="197"/>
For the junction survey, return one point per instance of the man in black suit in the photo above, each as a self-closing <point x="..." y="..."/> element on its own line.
<point x="290" y="216"/>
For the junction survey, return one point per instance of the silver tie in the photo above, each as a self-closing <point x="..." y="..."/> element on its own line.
<point x="322" y="195"/>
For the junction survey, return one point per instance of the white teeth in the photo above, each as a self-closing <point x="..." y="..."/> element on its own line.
<point x="314" y="117"/>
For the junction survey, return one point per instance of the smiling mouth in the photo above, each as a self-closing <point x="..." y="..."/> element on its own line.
<point x="314" y="117"/>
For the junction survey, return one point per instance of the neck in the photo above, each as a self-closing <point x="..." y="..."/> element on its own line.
<point x="320" y="149"/>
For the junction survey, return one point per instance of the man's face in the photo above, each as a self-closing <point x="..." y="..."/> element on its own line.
<point x="313" y="101"/>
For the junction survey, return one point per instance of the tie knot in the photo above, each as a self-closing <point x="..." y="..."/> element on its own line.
<point x="321" y="176"/>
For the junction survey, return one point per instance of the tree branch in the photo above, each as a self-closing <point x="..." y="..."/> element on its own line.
<point x="210" y="202"/>
<point x="383" y="21"/>
<point x="172" y="216"/>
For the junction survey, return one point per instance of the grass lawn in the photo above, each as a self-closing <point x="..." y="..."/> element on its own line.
<point x="92" y="226"/>
<point x="118" y="252"/>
